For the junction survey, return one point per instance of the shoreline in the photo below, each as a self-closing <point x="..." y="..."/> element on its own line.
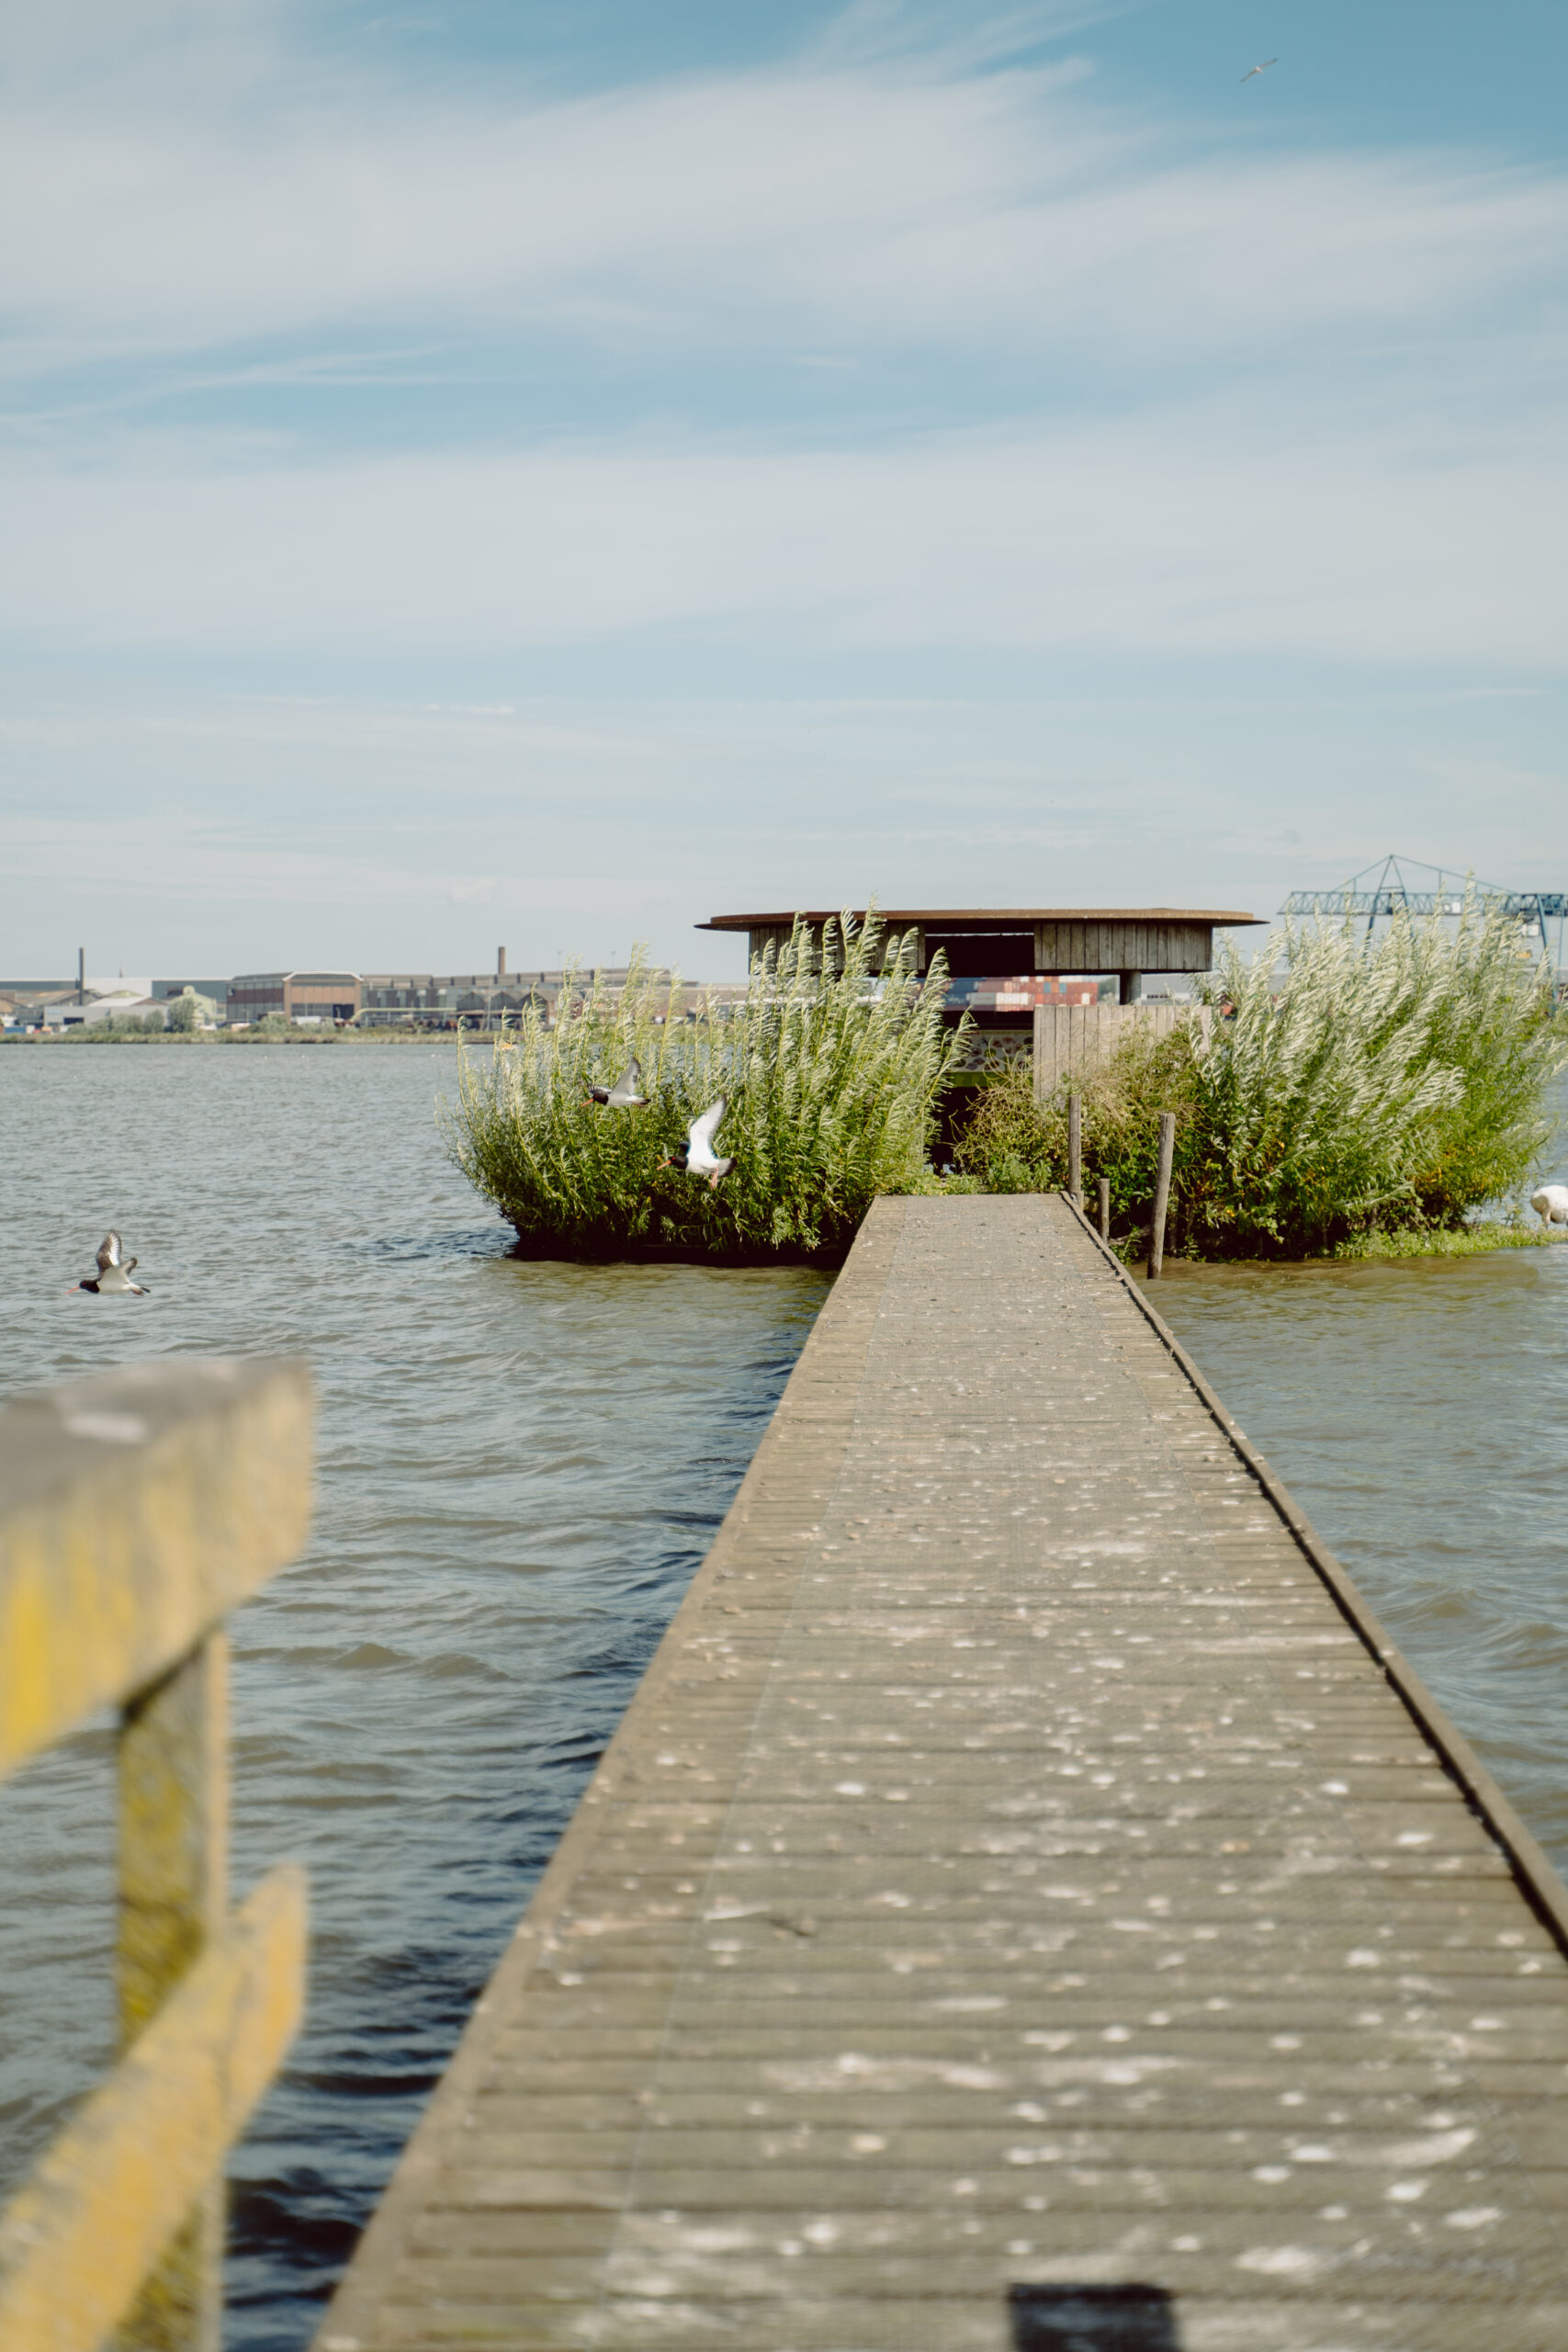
<point x="233" y="1037"/>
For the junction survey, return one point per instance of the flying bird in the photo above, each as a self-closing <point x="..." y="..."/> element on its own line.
<point x="697" y="1153"/>
<point x="626" y="1093"/>
<point x="112" y="1274"/>
<point x="1259" y="69"/>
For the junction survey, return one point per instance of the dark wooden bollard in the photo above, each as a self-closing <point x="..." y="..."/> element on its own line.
<point x="1075" y="1149"/>
<point x="1105" y="1208"/>
<point x="1162" y="1191"/>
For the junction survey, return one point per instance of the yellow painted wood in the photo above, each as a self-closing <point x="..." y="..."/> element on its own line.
<point x="78" y="2239"/>
<point x="136" y="1510"/>
<point x="174" y="1827"/>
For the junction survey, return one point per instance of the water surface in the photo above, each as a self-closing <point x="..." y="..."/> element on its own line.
<point x="1417" y="1408"/>
<point x="520" y="1466"/>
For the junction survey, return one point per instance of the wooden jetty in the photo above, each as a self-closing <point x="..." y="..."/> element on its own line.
<point x="1028" y="1907"/>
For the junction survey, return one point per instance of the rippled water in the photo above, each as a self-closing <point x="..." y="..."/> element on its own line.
<point x="1418" y="1412"/>
<point x="520" y="1466"/>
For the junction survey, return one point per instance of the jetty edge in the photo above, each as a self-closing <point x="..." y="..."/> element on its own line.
<point x="1027" y="1895"/>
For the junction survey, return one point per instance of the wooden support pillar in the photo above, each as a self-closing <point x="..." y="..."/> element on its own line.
<point x="174" y="1837"/>
<point x="1105" y="1208"/>
<point x="1130" y="987"/>
<point x="1162" y="1191"/>
<point x="1075" y="1149"/>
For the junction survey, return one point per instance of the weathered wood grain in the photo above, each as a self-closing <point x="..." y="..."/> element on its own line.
<point x="136" y="1510"/>
<point x="1016" y="1868"/>
<point x="125" y="2171"/>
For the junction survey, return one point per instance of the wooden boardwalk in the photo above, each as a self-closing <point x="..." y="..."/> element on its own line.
<point x="1019" y="1910"/>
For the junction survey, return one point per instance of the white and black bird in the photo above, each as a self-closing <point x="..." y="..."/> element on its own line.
<point x="697" y="1154"/>
<point x="1550" y="1204"/>
<point x="1259" y="69"/>
<point x="627" y="1093"/>
<point x="114" y="1272"/>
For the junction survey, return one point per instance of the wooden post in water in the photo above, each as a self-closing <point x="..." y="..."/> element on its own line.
<point x="1105" y="1208"/>
<point x="1162" y="1191"/>
<point x="1075" y="1149"/>
<point x="174" y="1837"/>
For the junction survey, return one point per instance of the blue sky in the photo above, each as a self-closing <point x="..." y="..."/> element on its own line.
<point x="545" y="473"/>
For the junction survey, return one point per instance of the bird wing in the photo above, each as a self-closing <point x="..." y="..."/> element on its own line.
<point x="701" y="1133"/>
<point x="629" y="1086"/>
<point x="108" y="1252"/>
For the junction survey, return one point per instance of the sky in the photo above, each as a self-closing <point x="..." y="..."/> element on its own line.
<point x="544" y="474"/>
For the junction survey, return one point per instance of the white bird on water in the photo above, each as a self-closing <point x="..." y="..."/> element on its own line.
<point x="1259" y="69"/>
<point x="696" y="1153"/>
<point x="1550" y="1204"/>
<point x="114" y="1274"/>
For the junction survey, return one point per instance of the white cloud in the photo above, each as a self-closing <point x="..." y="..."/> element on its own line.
<point x="1197" y="396"/>
<point x="888" y="200"/>
<point x="1190" y="401"/>
<point x="1199" y="529"/>
<point x="229" y="835"/>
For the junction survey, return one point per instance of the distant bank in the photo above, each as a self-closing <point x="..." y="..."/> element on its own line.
<point x="103" y="1032"/>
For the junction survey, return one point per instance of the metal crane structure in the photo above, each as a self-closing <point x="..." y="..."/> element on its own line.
<point x="1387" y="888"/>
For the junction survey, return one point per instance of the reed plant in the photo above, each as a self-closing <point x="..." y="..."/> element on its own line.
<point x="1332" y="1089"/>
<point x="830" y="1065"/>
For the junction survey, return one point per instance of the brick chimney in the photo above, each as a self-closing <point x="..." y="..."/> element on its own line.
<point x="500" y="963"/>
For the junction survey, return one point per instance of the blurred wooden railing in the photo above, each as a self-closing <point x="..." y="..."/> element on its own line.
<point x="136" y="1510"/>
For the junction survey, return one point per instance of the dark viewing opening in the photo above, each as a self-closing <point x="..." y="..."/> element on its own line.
<point x="1092" y="2319"/>
<point x="984" y="955"/>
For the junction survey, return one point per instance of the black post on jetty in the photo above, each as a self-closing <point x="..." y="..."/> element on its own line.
<point x="1105" y="1208"/>
<point x="1075" y="1149"/>
<point x="1162" y="1191"/>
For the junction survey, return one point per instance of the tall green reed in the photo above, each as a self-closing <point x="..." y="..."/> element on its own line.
<point x="830" y="1065"/>
<point x="1334" y="1088"/>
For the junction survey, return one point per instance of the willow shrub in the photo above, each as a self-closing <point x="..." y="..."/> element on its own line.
<point x="830" y="1065"/>
<point x="1388" y="1086"/>
<point x="1018" y="1146"/>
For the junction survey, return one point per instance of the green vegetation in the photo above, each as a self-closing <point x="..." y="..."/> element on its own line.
<point x="1381" y="1095"/>
<point x="830" y="1071"/>
<point x="120" y="1029"/>
<point x="1474" y="1241"/>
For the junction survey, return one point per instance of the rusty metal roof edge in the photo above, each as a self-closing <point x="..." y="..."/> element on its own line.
<point x="936" y="915"/>
<point x="1537" y="1876"/>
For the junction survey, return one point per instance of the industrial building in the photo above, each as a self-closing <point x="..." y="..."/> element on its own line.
<point x="453" y="999"/>
<point x="326" y="997"/>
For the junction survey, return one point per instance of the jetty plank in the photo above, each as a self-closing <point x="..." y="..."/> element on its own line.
<point x="1026" y="1873"/>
